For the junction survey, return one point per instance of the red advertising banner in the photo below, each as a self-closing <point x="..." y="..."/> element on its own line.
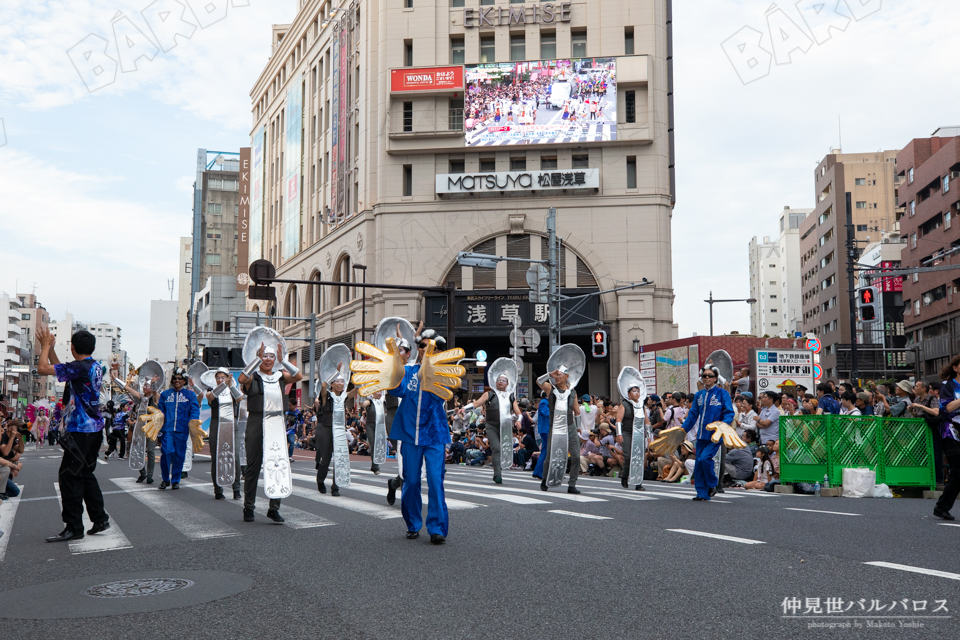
<point x="426" y="79"/>
<point x="892" y="284"/>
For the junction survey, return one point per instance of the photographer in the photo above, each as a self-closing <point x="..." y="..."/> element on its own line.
<point x="10" y="445"/>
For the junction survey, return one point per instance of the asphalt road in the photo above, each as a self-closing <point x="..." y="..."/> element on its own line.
<point x="518" y="563"/>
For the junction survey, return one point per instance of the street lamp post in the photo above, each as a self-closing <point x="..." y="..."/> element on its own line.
<point x="711" y="301"/>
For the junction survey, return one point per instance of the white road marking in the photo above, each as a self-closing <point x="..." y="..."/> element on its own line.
<point x="836" y="513"/>
<point x="99" y="461"/>
<point x="717" y="536"/>
<point x="295" y="518"/>
<point x="947" y="524"/>
<point x="382" y="492"/>
<point x="350" y="504"/>
<point x="506" y="497"/>
<point x="110" y="540"/>
<point x="8" y="512"/>
<point x="906" y="567"/>
<point x="496" y="487"/>
<point x="579" y="515"/>
<point x="188" y="520"/>
<point x="626" y="496"/>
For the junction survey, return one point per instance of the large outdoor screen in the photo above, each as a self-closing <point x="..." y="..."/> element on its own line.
<point x="541" y="102"/>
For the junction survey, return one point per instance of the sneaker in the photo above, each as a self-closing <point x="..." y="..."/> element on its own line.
<point x="275" y="516"/>
<point x="248" y="515"/>
<point x="437" y="538"/>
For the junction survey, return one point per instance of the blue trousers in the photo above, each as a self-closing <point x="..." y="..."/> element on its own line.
<point x="538" y="471"/>
<point x="173" y="449"/>
<point x="704" y="469"/>
<point x="411" y="502"/>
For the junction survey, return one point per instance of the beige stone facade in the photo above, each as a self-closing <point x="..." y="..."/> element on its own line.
<point x="392" y="218"/>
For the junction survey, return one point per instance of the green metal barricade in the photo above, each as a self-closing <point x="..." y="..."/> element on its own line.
<point x="899" y="450"/>
<point x="803" y="448"/>
<point x="907" y="454"/>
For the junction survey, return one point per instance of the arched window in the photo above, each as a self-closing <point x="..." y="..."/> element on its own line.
<point x="291" y="305"/>
<point x="313" y="296"/>
<point x="342" y="273"/>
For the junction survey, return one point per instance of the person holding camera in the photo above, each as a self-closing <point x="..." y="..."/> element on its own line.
<point x="9" y="454"/>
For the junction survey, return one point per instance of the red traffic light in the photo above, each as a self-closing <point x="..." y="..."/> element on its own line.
<point x="867" y="296"/>
<point x="599" y="339"/>
<point x="598" y="336"/>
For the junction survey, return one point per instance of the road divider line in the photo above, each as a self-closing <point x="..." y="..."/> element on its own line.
<point x="8" y="513"/>
<point x="921" y="570"/>
<point x="295" y="518"/>
<point x="717" y="536"/>
<point x="579" y="515"/>
<point x="836" y="513"/>
<point x="112" y="539"/>
<point x="186" y="518"/>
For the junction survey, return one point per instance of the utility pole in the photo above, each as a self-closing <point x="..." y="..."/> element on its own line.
<point x="552" y="265"/>
<point x="851" y="270"/>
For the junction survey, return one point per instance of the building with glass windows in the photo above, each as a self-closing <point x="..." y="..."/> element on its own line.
<point x="390" y="135"/>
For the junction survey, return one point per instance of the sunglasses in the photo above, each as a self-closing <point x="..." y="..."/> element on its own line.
<point x="708" y="375"/>
<point x="422" y="345"/>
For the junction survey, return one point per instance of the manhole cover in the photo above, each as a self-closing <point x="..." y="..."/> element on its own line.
<point x="136" y="588"/>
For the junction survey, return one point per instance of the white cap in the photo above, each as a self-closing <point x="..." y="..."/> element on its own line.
<point x="223" y="370"/>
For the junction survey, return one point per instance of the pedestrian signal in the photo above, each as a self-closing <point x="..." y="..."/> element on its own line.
<point x="599" y="340"/>
<point x="867" y="299"/>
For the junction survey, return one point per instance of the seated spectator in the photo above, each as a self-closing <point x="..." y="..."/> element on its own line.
<point x="591" y="461"/>
<point x="613" y="459"/>
<point x="678" y="466"/>
<point x="457" y="450"/>
<point x="528" y="451"/>
<point x="10" y="447"/>
<point x="750" y="438"/>
<point x="763" y="471"/>
<point x="738" y="466"/>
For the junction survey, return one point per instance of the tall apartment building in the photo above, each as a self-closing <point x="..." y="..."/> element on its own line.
<point x="928" y="171"/>
<point x="869" y="177"/>
<point x="33" y="316"/>
<point x="366" y="153"/>
<point x="775" y="278"/>
<point x="11" y="342"/>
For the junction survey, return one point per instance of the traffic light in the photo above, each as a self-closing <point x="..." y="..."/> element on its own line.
<point x="867" y="298"/>
<point x="599" y="341"/>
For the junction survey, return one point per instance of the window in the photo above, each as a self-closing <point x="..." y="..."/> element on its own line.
<point x="488" y="48"/>
<point x="408" y="4"/>
<point x="483" y="2"/>
<point x="631" y="172"/>
<point x="408" y="180"/>
<point x="773" y="310"/>
<point x="488" y="164"/>
<point x="860" y="182"/>
<point x="946" y="219"/>
<point x="455" y="114"/>
<point x="946" y="183"/>
<point x="486" y="278"/>
<point x="213" y="259"/>
<point x="628" y="41"/>
<point x="518" y="48"/>
<point x="518" y="164"/>
<point x="861" y="227"/>
<point x="916" y="303"/>
<point x="581" y="161"/>
<point x="457" y="166"/>
<point x="214" y="208"/>
<point x="933" y="295"/>
<point x="458" y="50"/>
<point x="913" y="207"/>
<point x="578" y="44"/>
<point x="773" y="324"/>
<point x="408" y="53"/>
<point x="456" y="3"/>
<point x="26" y="316"/>
<point x="773" y="297"/>
<point x="407" y="116"/>
<point x="548" y="46"/>
<point x="548" y="162"/>
<point x="910" y="175"/>
<point x="631" y="98"/>
<point x="861" y="204"/>
<point x="913" y="240"/>
<point x="213" y="234"/>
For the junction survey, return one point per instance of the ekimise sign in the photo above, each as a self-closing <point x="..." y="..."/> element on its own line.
<point x="427" y="79"/>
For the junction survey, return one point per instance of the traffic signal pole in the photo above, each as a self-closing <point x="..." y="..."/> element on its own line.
<point x="554" y="288"/>
<point x="851" y="289"/>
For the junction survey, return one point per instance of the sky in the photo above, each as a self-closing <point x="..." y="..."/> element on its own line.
<point x="96" y="185"/>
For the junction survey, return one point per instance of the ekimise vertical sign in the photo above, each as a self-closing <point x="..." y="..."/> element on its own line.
<point x="243" y="218"/>
<point x="426" y="79"/>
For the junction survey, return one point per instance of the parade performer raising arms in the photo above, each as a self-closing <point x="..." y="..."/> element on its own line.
<point x="420" y="424"/>
<point x="502" y="411"/>
<point x="145" y="388"/>
<point x="263" y="379"/>
<point x="225" y="463"/>
<point x="566" y="366"/>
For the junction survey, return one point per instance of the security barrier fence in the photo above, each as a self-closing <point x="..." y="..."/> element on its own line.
<point x="900" y="450"/>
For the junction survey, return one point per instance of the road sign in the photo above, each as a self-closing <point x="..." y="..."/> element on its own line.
<point x="517" y="351"/>
<point x="780" y="369"/>
<point x="531" y="340"/>
<point x="538" y="278"/>
<point x="813" y="344"/>
<point x="817" y="372"/>
<point x="481" y="356"/>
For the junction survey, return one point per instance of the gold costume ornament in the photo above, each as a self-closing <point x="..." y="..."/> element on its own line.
<point x="196" y="434"/>
<point x="668" y="441"/>
<point x="152" y="422"/>
<point x="437" y="375"/>
<point x="728" y="433"/>
<point x="383" y="373"/>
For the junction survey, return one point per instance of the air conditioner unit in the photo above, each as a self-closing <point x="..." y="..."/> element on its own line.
<point x="954" y="175"/>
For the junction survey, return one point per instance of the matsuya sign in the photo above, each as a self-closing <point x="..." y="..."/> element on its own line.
<point x="517" y="181"/>
<point x="500" y="16"/>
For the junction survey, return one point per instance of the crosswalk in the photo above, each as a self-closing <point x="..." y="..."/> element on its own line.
<point x="141" y="516"/>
